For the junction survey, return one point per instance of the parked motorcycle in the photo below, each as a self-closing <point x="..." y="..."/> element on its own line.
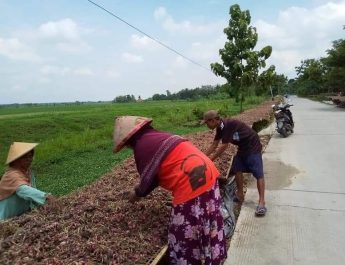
<point x="284" y="119"/>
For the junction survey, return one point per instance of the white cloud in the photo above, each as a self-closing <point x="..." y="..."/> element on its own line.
<point x="112" y="73"/>
<point x="286" y="60"/>
<point x="62" y="29"/>
<point x="160" y="13"/>
<point x="131" y="58"/>
<point x="143" y="42"/>
<point x="168" y="73"/>
<point x="138" y="41"/>
<point x="17" y="88"/>
<point x="187" y="27"/>
<point x="55" y="70"/>
<point x="67" y="35"/>
<point x="180" y="63"/>
<point x="84" y="71"/>
<point x="298" y="21"/>
<point x="14" y="49"/>
<point x="44" y="80"/>
<point x="301" y="33"/>
<point x="73" y="47"/>
<point x="278" y="34"/>
<point x="208" y="51"/>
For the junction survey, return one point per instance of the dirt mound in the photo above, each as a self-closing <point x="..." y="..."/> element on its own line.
<point x="96" y="225"/>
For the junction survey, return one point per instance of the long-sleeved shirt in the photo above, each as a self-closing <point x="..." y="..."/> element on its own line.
<point x="24" y="199"/>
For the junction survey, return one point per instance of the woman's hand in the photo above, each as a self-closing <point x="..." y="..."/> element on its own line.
<point x="51" y="200"/>
<point x="132" y="197"/>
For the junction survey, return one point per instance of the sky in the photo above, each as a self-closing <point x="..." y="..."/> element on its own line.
<point x="66" y="51"/>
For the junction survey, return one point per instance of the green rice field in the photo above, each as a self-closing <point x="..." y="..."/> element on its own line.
<point x="76" y="139"/>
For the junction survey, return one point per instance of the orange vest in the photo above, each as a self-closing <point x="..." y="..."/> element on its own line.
<point x="187" y="172"/>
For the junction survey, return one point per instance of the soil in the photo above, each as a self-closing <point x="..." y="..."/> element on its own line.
<point x="339" y="100"/>
<point x="97" y="225"/>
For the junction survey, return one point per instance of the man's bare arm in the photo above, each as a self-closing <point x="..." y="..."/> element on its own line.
<point x="219" y="151"/>
<point x="212" y="147"/>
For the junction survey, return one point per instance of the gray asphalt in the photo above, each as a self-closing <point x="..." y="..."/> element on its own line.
<point x="305" y="195"/>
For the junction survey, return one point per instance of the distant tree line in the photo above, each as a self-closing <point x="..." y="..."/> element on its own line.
<point x="22" y="105"/>
<point x="207" y="91"/>
<point x="192" y="94"/>
<point x="124" y="99"/>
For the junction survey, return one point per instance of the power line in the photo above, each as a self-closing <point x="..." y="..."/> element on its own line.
<point x="147" y="35"/>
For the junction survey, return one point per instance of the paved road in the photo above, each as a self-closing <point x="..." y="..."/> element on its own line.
<point x="305" y="196"/>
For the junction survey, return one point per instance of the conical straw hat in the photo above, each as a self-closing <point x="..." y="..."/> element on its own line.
<point x="18" y="149"/>
<point x="125" y="127"/>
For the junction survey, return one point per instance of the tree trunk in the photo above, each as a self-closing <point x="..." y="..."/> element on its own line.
<point x="241" y="100"/>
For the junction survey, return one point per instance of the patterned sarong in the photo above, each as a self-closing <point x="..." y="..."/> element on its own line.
<point x="196" y="231"/>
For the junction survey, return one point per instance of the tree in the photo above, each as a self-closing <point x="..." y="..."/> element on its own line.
<point x="322" y="75"/>
<point x="159" y="97"/>
<point x="280" y="84"/>
<point x="124" y="99"/>
<point x="269" y="82"/>
<point x="335" y="77"/>
<point x="311" y="76"/>
<point x="241" y="63"/>
<point x="310" y="69"/>
<point x="336" y="55"/>
<point x="265" y="81"/>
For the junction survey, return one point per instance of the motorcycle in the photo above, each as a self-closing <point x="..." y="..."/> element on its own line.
<point x="284" y="120"/>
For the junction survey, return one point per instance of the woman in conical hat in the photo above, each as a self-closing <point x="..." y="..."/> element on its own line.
<point x="196" y="229"/>
<point x="18" y="193"/>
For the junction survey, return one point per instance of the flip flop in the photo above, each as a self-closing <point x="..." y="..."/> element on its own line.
<point x="260" y="211"/>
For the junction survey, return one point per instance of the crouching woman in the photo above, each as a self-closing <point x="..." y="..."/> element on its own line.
<point x="196" y="229"/>
<point x="18" y="193"/>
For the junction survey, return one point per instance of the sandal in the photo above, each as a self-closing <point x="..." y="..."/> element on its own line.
<point x="260" y="211"/>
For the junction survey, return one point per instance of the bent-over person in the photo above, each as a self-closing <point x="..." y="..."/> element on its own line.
<point x="196" y="229"/>
<point x="18" y="193"/>
<point x="248" y="157"/>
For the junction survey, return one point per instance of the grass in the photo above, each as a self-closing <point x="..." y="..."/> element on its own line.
<point x="76" y="140"/>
